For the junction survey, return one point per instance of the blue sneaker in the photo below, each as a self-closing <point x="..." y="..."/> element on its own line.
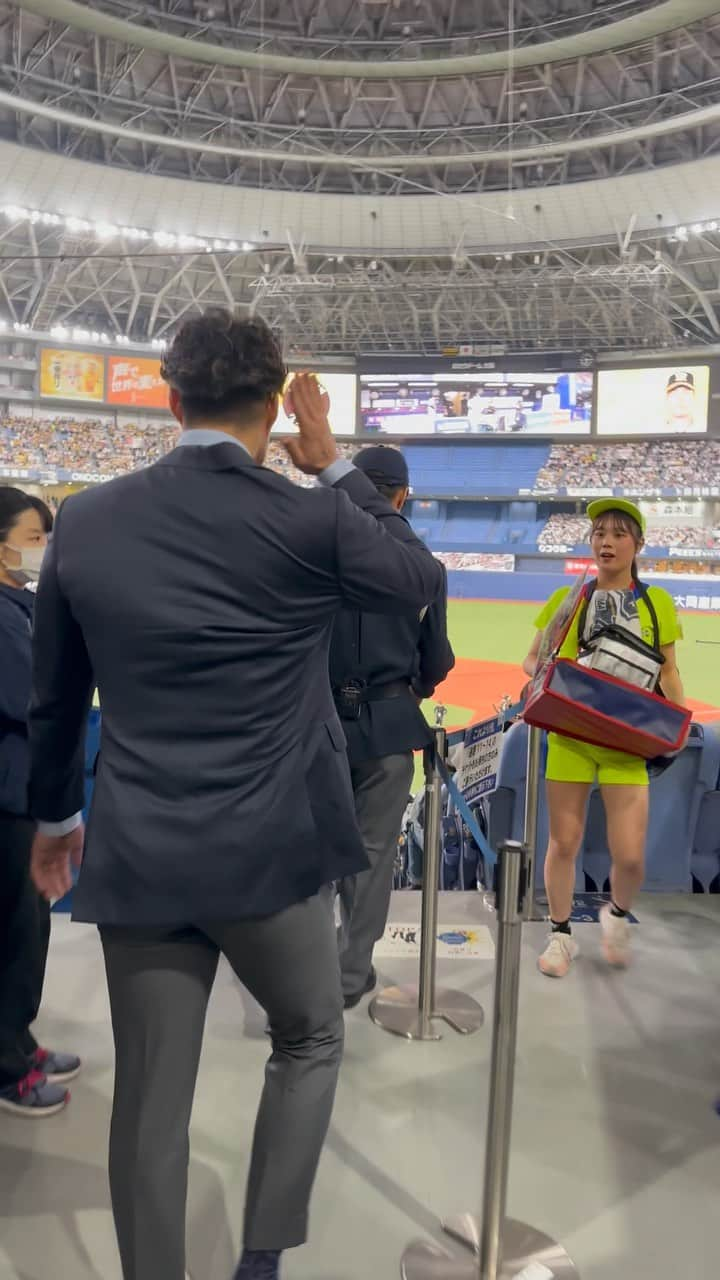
<point x="60" y="1068"/>
<point x="33" y="1096"/>
<point x="258" y="1265"/>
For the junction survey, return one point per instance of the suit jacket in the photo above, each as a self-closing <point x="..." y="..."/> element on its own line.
<point x="382" y="649"/>
<point x="199" y="595"/>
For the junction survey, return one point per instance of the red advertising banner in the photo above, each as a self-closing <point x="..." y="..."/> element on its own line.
<point x="135" y="381"/>
<point x="579" y="566"/>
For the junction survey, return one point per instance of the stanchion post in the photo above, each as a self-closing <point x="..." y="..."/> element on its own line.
<point x="512" y="869"/>
<point x="531" y="910"/>
<point x="499" y="1249"/>
<point x="432" y="846"/>
<point x="411" y="1011"/>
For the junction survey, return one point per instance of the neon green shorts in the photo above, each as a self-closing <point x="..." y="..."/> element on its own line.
<point x="571" y="761"/>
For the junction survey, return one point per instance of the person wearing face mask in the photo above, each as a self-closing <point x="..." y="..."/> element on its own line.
<point x="616" y="598"/>
<point x="32" y="1080"/>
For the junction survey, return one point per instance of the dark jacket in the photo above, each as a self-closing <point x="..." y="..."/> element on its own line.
<point x="199" y="594"/>
<point x="16" y="614"/>
<point x="411" y="648"/>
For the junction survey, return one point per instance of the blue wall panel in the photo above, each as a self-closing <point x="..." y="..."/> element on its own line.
<point x="467" y="585"/>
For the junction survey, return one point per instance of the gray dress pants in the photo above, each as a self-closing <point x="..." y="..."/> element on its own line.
<point x="159" y="982"/>
<point x="381" y="788"/>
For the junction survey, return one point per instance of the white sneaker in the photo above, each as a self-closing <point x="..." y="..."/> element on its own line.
<point x="615" y="938"/>
<point x="558" y="955"/>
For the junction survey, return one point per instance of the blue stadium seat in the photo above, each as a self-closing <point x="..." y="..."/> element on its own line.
<point x="684" y="830"/>
<point x="705" y="860"/>
<point x="488" y="468"/>
<point x="705" y="857"/>
<point x="676" y="797"/>
<point x="505" y="807"/>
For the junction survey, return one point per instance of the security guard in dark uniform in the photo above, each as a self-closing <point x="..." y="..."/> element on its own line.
<point x="381" y="667"/>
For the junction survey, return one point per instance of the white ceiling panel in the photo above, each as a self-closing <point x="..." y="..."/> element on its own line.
<point x="580" y="212"/>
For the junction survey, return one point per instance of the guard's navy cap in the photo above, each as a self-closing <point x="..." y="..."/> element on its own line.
<point x="383" y="465"/>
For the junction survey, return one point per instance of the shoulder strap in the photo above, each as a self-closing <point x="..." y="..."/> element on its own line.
<point x="644" y="596"/>
<point x="587" y="595"/>
<point x="647" y="599"/>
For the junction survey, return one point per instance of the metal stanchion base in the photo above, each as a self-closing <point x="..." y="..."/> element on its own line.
<point x="527" y="1255"/>
<point x="396" y="1009"/>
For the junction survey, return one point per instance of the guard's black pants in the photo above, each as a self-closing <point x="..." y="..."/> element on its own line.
<point x="24" y="940"/>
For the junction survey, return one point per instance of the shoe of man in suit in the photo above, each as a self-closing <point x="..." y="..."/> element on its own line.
<point x="258" y="1265"/>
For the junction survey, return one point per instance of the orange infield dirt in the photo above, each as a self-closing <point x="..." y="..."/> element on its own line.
<point x="474" y="688"/>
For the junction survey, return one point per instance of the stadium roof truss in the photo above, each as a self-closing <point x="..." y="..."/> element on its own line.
<point x="653" y="103"/>
<point x="384" y="101"/>
<point x="623" y="294"/>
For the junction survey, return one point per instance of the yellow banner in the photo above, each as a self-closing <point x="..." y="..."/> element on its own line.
<point x="72" y="375"/>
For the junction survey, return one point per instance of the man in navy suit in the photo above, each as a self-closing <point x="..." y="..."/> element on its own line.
<point x="199" y="596"/>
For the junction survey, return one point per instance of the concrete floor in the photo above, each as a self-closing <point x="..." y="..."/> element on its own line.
<point x="616" y="1145"/>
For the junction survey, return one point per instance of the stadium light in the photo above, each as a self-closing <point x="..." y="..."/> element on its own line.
<point x="77" y="225"/>
<point x="103" y="231"/>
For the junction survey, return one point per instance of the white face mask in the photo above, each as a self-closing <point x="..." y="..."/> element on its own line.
<point x="31" y="559"/>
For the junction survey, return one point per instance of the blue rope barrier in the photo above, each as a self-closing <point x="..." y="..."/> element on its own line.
<point x="466" y="814"/>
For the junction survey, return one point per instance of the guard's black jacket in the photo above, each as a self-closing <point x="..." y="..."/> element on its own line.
<point x="384" y="650"/>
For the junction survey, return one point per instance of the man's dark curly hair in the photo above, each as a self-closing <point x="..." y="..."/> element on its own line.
<point x="223" y="364"/>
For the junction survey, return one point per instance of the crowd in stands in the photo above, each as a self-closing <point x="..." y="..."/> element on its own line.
<point x="564" y="530"/>
<point x="669" y="535"/>
<point x="278" y="460"/>
<point x="696" y="568"/>
<point x="476" y="560"/>
<point x="639" y="467"/>
<point x="86" y="446"/>
<point x="104" y="448"/>
<point x="97" y="448"/>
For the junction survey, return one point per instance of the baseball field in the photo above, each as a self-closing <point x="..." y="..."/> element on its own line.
<point x="491" y="638"/>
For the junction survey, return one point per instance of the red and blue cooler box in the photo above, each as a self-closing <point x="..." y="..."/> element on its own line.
<point x="594" y="707"/>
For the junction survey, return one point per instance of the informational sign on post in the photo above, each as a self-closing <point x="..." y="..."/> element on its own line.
<point x="478" y="765"/>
